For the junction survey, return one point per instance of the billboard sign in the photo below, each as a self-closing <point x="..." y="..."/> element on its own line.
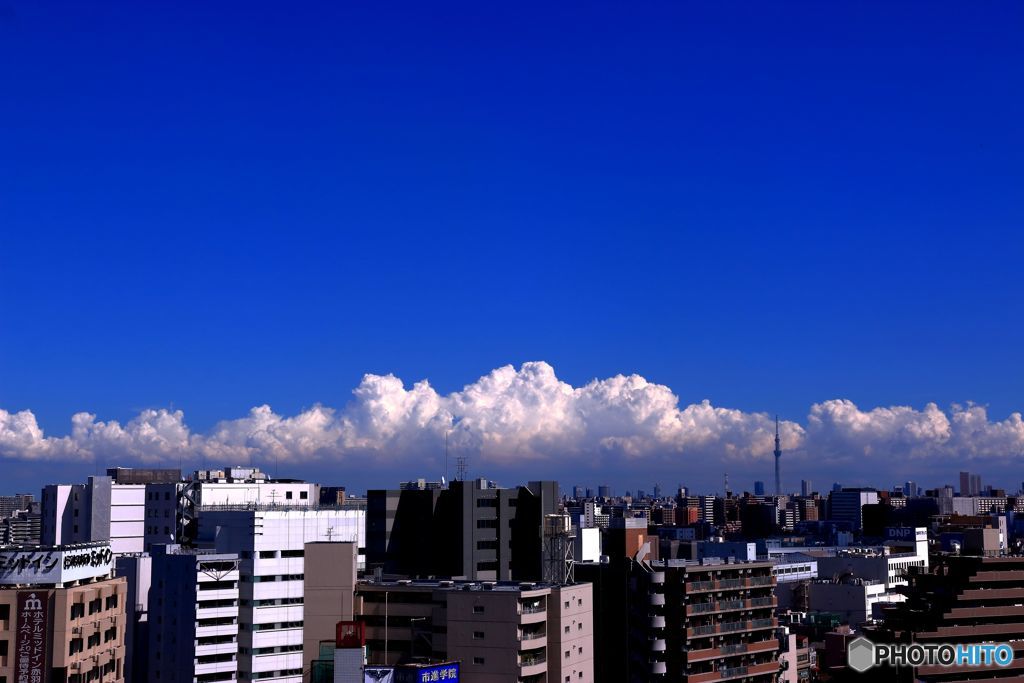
<point x="449" y="671"/>
<point x="54" y="565"/>
<point x="30" y="664"/>
<point x="906" y="534"/>
<point x="378" y="674"/>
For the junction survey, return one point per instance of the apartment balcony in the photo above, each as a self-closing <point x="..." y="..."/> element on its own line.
<point x="656" y="599"/>
<point x="658" y="644"/>
<point x="658" y="668"/>
<point x="533" y="612"/>
<point x="731" y="649"/>
<point x="711" y="606"/>
<point x="732" y="673"/>
<point x="658" y="578"/>
<point x="656" y="621"/>
<point x="730" y="627"/>
<point x="531" y="664"/>
<point x="533" y="640"/>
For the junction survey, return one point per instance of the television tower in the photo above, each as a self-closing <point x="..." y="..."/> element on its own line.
<point x="778" y="457"/>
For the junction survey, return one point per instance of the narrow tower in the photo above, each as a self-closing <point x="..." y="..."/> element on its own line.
<point x="778" y="457"/>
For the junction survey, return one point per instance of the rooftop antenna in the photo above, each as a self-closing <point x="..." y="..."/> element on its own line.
<point x="461" y="467"/>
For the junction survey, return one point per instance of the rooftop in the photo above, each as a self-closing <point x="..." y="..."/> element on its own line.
<point x="459" y="585"/>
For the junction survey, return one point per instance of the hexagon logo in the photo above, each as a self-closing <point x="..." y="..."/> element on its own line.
<point x="860" y="655"/>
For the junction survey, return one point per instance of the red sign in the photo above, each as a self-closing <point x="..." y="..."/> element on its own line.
<point x="350" y="634"/>
<point x="31" y="663"/>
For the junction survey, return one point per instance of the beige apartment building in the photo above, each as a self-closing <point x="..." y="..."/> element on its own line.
<point x="62" y="615"/>
<point x="501" y="632"/>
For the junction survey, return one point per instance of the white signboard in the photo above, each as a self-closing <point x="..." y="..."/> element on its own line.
<point x="56" y="565"/>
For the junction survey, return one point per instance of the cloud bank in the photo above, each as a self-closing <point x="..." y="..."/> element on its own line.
<point x="527" y="415"/>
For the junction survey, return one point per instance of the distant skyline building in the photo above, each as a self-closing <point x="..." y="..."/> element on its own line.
<point x="970" y="484"/>
<point x="758" y="488"/>
<point x="604" y="491"/>
<point x="805" y="487"/>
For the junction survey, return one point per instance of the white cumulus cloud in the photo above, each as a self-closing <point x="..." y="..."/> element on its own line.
<point x="527" y="415"/>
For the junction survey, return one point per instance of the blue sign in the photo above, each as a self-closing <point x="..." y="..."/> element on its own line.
<point x="904" y="533"/>
<point x="428" y="674"/>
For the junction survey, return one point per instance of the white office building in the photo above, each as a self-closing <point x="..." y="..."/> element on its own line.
<point x="99" y="510"/>
<point x="270" y="542"/>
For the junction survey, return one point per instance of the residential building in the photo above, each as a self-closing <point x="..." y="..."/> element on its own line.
<point x="502" y="632"/>
<point x="960" y="599"/>
<point x="679" y="620"/>
<point x="193" y="616"/>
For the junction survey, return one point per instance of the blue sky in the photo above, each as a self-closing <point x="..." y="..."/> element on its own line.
<point x="209" y="208"/>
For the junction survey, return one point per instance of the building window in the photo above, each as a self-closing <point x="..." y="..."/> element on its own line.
<point x="478" y="609"/>
<point x="288" y="495"/>
<point x="304" y="495"/>
<point x="566" y="629"/>
<point x="478" y="635"/>
<point x="75" y="646"/>
<point x="268" y="554"/>
<point x="479" y="661"/>
<point x="567" y="654"/>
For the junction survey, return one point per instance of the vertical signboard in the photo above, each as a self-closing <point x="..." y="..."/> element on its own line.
<point x="31" y="663"/>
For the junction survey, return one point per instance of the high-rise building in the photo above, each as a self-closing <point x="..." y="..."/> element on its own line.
<point x="470" y="530"/>
<point x="758" y="488"/>
<point x="846" y="505"/>
<point x="61" y="614"/>
<point x="678" y="620"/>
<point x="11" y="504"/>
<point x="805" y="487"/>
<point x="24" y="527"/>
<point x="604" y="491"/>
<point x="193" y="616"/>
<point x="961" y="599"/>
<point x="970" y="484"/>
<point x="502" y="632"/>
<point x="270" y="542"/>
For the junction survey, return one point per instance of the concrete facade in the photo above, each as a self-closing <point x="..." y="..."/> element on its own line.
<point x="329" y="595"/>
<point x="84" y="639"/>
<point x="501" y="632"/>
<point x="193" y="616"/>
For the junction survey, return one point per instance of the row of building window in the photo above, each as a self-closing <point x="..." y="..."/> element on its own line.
<point x="258" y="675"/>
<point x="95" y="606"/>
<point x="76" y="645"/>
